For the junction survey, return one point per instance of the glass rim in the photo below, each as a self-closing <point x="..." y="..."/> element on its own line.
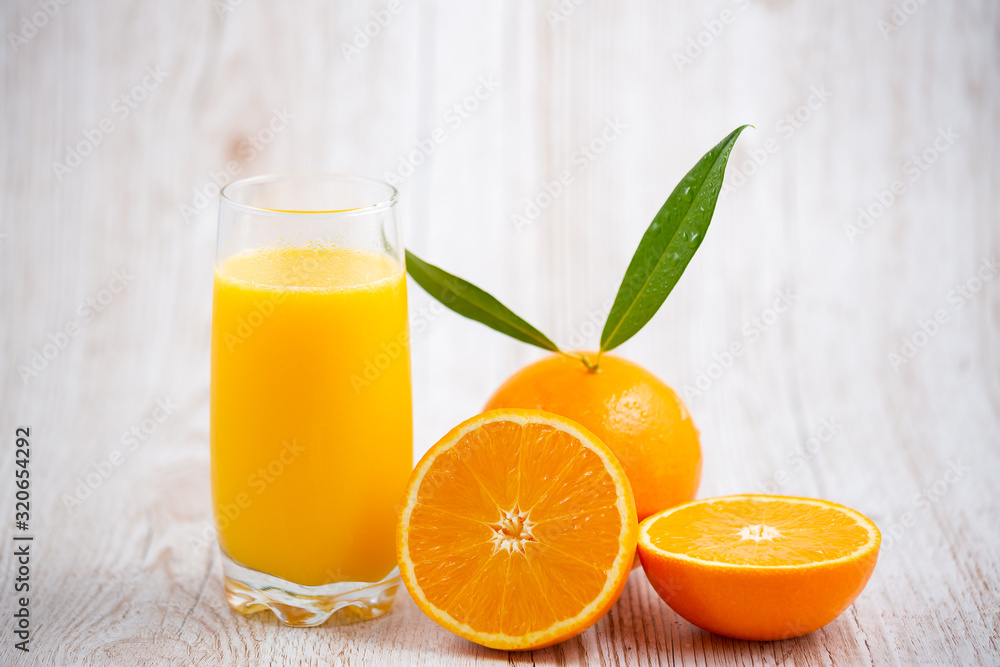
<point x="227" y="197"/>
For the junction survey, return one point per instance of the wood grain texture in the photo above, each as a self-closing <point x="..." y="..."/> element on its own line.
<point x="811" y="405"/>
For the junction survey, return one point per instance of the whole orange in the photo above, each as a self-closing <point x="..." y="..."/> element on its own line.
<point x="635" y="414"/>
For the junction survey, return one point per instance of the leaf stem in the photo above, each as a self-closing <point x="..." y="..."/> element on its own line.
<point x="592" y="367"/>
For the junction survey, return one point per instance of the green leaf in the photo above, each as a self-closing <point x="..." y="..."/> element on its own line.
<point x="667" y="246"/>
<point x="468" y="300"/>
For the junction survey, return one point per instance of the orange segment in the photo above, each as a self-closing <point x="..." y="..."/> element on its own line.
<point x="518" y="530"/>
<point x="758" y="567"/>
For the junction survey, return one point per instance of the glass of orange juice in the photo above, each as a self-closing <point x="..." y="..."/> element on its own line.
<point x="311" y="420"/>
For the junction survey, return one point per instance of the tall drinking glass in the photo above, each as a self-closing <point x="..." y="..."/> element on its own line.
<point x="311" y="422"/>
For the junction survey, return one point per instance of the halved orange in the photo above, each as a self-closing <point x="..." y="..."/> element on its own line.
<point x="518" y="530"/>
<point x="758" y="567"/>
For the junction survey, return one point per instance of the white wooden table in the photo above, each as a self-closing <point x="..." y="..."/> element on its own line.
<point x="118" y="117"/>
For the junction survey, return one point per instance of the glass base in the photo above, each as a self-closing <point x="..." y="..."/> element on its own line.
<point x="249" y="591"/>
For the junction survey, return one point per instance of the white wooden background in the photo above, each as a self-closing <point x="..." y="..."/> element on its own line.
<point x="813" y="406"/>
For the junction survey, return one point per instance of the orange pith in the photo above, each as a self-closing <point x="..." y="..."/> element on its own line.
<point x="517" y="530"/>
<point x="758" y="567"/>
<point x="635" y="414"/>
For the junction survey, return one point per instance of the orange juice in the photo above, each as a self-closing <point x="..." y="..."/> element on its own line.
<point x="311" y="411"/>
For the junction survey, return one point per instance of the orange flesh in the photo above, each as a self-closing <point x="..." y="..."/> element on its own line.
<point x="759" y="533"/>
<point x="542" y="563"/>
